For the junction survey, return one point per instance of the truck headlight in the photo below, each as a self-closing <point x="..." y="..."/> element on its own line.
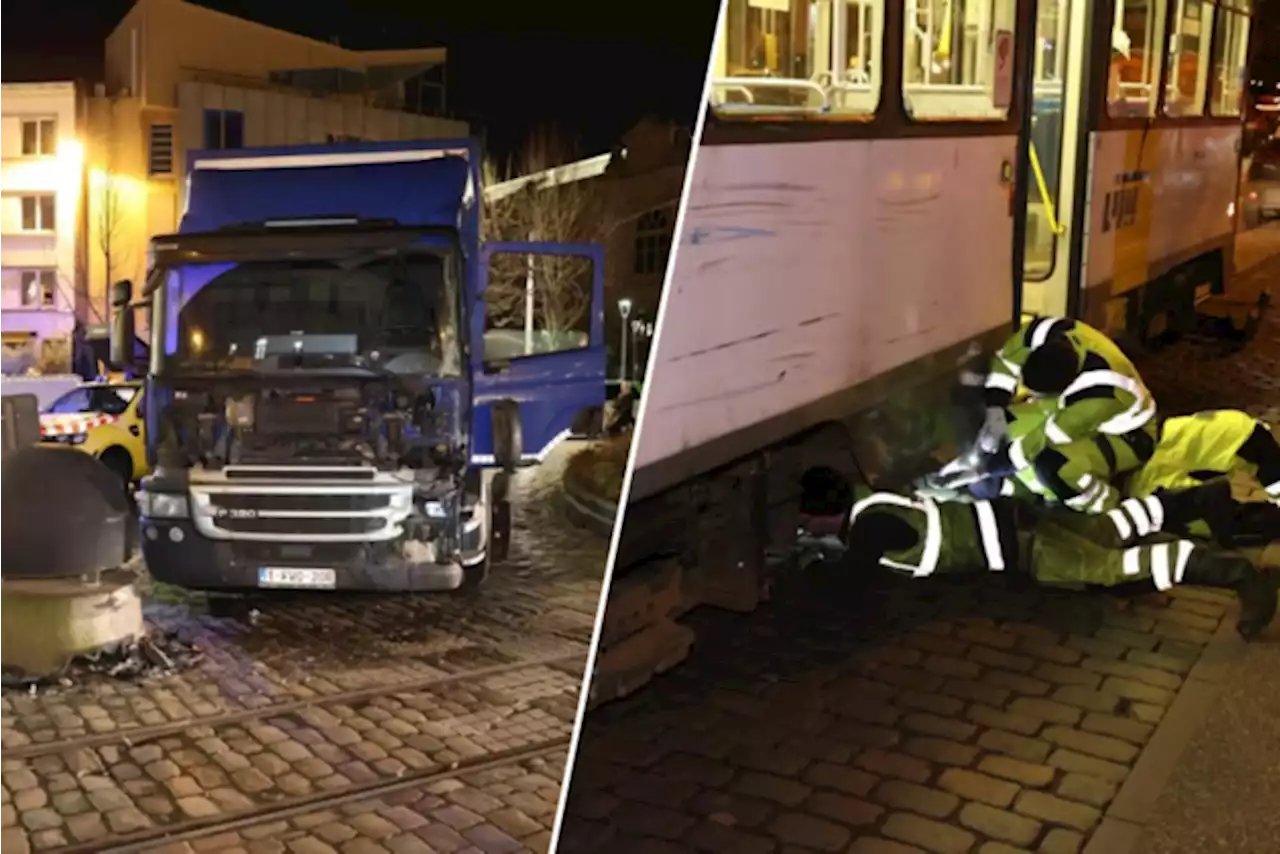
<point x="161" y="505"/>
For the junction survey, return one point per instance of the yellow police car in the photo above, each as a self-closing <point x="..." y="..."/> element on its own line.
<point x="103" y="419"/>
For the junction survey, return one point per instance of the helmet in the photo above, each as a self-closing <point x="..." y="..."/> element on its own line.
<point x="1051" y="367"/>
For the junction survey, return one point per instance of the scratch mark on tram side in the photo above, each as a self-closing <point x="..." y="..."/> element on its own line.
<point x="819" y="319"/>
<point x="727" y="345"/>
<point x="741" y="391"/>
<point x="703" y="235"/>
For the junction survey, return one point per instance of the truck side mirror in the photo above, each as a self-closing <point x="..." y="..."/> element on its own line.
<point x="508" y="447"/>
<point x="122" y="334"/>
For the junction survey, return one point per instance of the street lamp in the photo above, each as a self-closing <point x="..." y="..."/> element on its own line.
<point x="624" y="311"/>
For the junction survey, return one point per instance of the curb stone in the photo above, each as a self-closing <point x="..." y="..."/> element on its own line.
<point x="587" y="510"/>
<point x="1125" y="821"/>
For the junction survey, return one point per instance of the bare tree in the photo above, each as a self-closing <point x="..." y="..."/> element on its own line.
<point x="547" y="208"/>
<point x="107" y="213"/>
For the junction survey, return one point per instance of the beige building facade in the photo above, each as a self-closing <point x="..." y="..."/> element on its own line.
<point x="181" y="78"/>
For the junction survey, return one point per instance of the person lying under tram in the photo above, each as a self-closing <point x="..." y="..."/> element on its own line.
<point x="1192" y="449"/>
<point x="1085" y="408"/>
<point x="922" y="536"/>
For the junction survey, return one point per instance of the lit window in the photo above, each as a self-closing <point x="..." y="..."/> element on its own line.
<point x="39" y="288"/>
<point x="775" y="57"/>
<point x="958" y="58"/>
<point x="1230" y="63"/>
<point x="653" y="242"/>
<point x="39" y="137"/>
<point x="37" y="213"/>
<point x="1189" y="58"/>
<point x="1136" y="35"/>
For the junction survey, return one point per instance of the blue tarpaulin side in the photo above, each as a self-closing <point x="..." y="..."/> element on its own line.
<point x="415" y="193"/>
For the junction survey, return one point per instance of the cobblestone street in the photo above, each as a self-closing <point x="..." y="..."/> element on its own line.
<point x="875" y="715"/>
<point x="319" y="724"/>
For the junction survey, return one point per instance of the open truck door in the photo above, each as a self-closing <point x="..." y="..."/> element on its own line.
<point x="538" y="341"/>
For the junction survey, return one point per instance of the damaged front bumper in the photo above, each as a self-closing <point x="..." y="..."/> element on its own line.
<point x="348" y="530"/>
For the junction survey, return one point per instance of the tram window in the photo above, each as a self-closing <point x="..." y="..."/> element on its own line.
<point x="1230" y="58"/>
<point x="1136" y="35"/>
<point x="780" y="57"/>
<point x="1189" y="58"/>
<point x="1044" y="206"/>
<point x="951" y="50"/>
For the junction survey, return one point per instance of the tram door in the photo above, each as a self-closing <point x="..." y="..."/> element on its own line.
<point x="1058" y="94"/>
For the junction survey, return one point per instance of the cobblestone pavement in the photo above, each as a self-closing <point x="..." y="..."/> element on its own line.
<point x="874" y="715"/>
<point x="306" y="707"/>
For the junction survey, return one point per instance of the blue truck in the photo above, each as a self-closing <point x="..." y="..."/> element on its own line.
<point x="326" y="406"/>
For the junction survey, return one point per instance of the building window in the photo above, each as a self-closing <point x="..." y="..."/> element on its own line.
<point x="39" y="137"/>
<point x="39" y="288"/>
<point x="653" y="241"/>
<point x="160" y="150"/>
<point x="37" y="213"/>
<point x="223" y="129"/>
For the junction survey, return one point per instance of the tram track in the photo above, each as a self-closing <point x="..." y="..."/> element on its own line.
<point x="138" y="735"/>
<point x="154" y="837"/>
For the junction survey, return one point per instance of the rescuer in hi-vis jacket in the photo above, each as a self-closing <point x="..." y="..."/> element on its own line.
<point x="1191" y="450"/>
<point x="922" y="536"/>
<point x="1086" y="414"/>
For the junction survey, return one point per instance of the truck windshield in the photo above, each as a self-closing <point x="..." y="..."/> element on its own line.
<point x="391" y="312"/>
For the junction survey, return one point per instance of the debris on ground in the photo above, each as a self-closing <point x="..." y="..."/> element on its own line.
<point x="158" y="653"/>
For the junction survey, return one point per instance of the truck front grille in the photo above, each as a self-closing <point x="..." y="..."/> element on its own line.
<point x="297" y="508"/>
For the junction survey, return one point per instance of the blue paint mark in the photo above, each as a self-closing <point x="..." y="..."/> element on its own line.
<point x="701" y="236"/>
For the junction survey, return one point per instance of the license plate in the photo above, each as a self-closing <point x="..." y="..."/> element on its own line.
<point x="297" y="577"/>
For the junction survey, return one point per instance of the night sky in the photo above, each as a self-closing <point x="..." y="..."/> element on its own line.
<point x="591" y="68"/>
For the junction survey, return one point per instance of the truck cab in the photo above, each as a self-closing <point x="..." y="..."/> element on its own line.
<point x="321" y="412"/>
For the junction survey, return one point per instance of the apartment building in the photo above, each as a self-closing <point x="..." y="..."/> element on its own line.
<point x="41" y="219"/>
<point x="182" y="78"/>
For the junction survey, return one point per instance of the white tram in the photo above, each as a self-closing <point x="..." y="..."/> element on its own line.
<point x="882" y="188"/>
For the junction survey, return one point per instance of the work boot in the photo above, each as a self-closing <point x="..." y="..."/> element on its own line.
<point x="1210" y="503"/>
<point x="1256" y="525"/>
<point x="1255" y="589"/>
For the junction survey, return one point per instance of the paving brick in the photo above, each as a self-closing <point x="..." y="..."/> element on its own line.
<point x="938" y="704"/>
<point x="952" y="668"/>
<point x="809" y="832"/>
<point x="886" y="764"/>
<point x="647" y="819"/>
<point x="1091" y="744"/>
<point x="852" y="781"/>
<point x="988" y="635"/>
<point x="1026" y="773"/>
<point x="1055" y="810"/>
<point x="986" y="716"/>
<point x="938" y="726"/>
<point x="876" y="845"/>
<point x="1016" y="682"/>
<point x="908" y="677"/>
<point x="694" y="769"/>
<point x="1061" y="841"/>
<point x="1069" y="760"/>
<point x="976" y="692"/>
<point x="937" y="643"/>
<point x="1004" y="660"/>
<point x="1046" y="710"/>
<point x="718" y="839"/>
<point x="771" y="788"/>
<point x="1089" y="700"/>
<point x="1063" y="674"/>
<point x="927" y="834"/>
<point x="1088" y="790"/>
<point x="1050" y="651"/>
<point x="1117" y="727"/>
<point x="1171" y="663"/>
<point x="975" y="786"/>
<point x="1127" y="638"/>
<point x="1138" y="691"/>
<point x="999" y="824"/>
<point x="1017" y="746"/>
<point x="842" y="808"/>
<point x="865" y="735"/>
<point x="1000" y="848"/>
<point x="1153" y="676"/>
<point x="940" y="750"/>
<point x="900" y="795"/>
<point x="1097" y="646"/>
<point x="1146" y="713"/>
